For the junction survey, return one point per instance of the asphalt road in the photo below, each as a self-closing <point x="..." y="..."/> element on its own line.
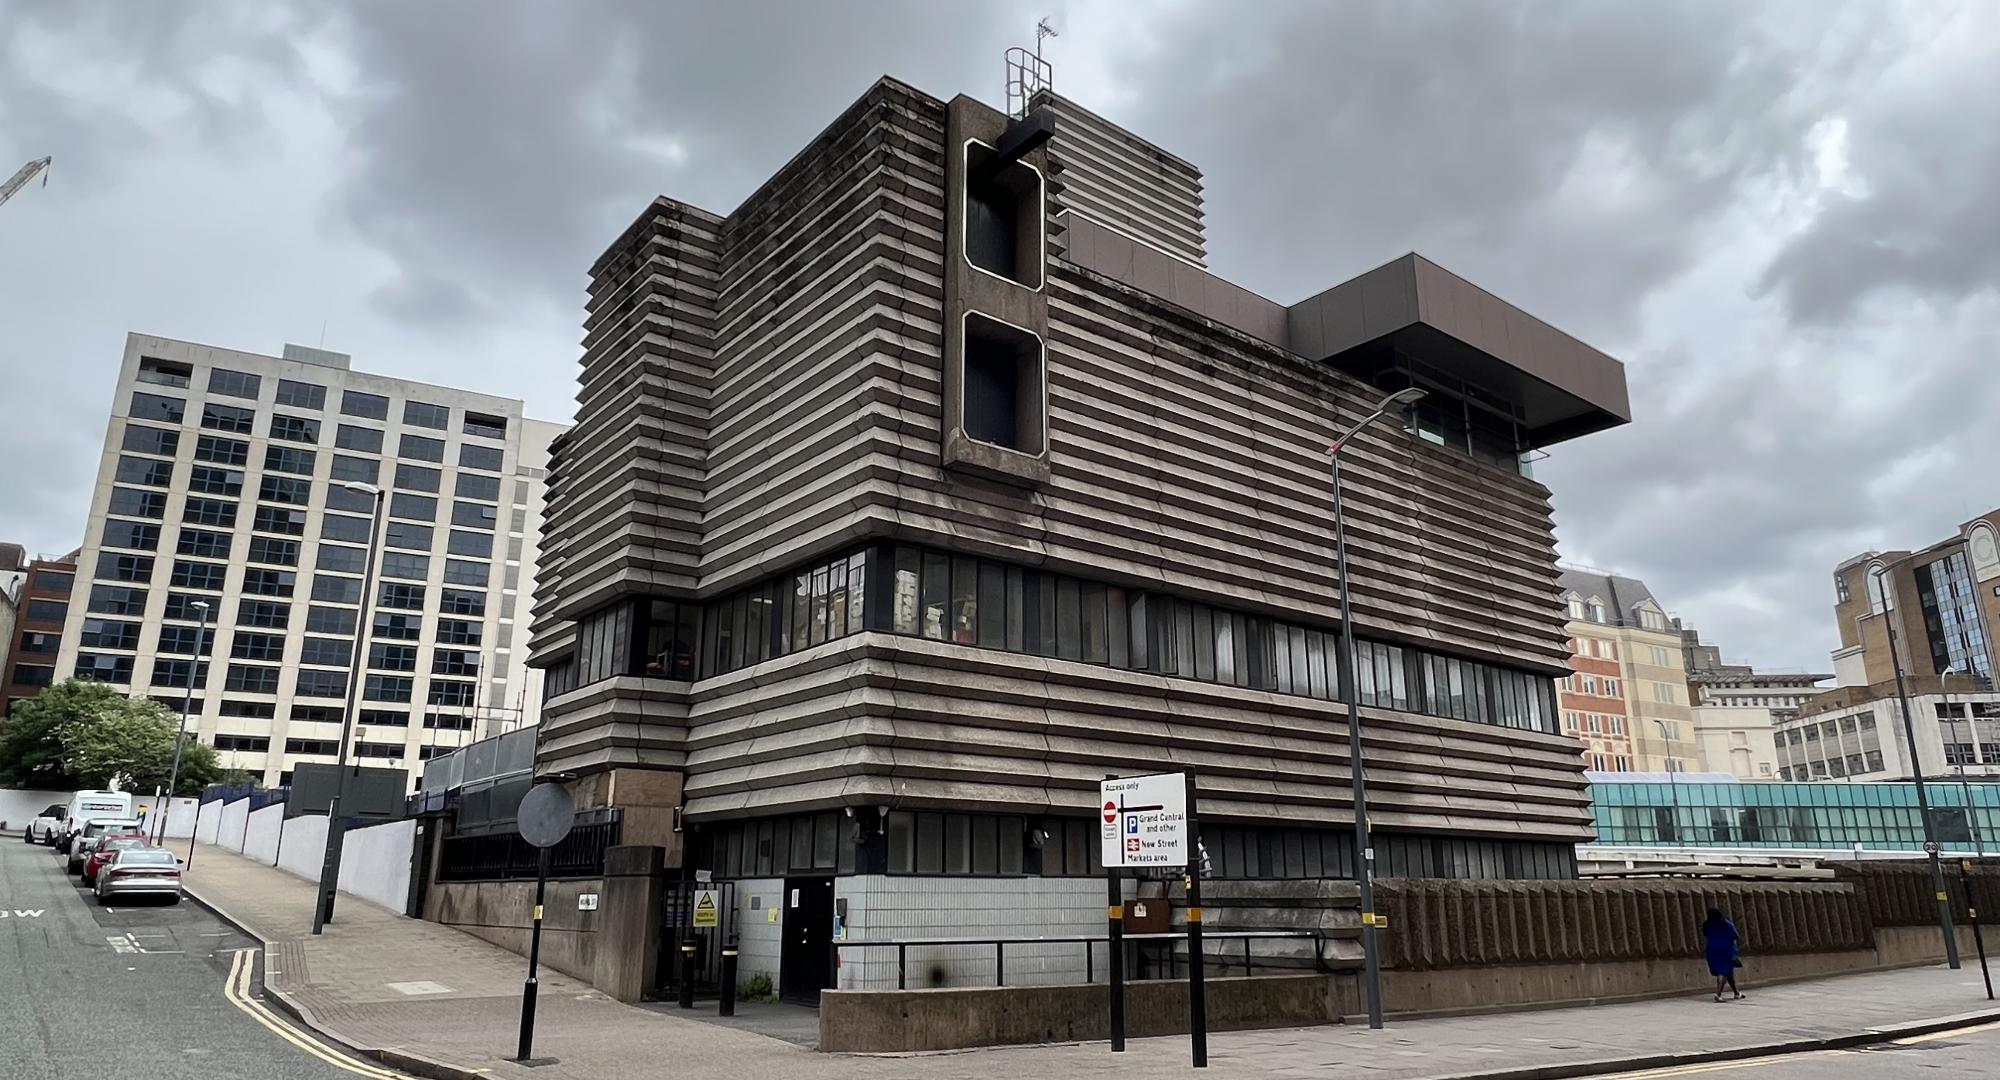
<point x="128" y="992"/>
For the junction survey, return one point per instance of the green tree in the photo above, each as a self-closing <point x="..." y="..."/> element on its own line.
<point x="31" y="749"/>
<point x="82" y="734"/>
<point x="200" y="767"/>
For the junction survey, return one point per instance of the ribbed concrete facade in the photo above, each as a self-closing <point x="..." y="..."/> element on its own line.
<point x="1119" y="180"/>
<point x="766" y="391"/>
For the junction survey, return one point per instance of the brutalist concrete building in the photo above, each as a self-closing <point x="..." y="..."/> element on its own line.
<point x="939" y="480"/>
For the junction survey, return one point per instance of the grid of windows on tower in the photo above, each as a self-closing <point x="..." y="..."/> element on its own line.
<point x="927" y="593"/>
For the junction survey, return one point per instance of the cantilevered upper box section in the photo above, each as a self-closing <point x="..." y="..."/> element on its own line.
<point x="1409" y="321"/>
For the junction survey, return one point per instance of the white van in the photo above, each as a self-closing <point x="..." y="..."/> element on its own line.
<point x="86" y="807"/>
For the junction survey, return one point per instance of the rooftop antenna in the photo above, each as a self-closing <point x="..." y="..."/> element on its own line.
<point x="41" y="165"/>
<point x="1027" y="73"/>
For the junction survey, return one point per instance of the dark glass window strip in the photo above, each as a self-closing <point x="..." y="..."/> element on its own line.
<point x="905" y="842"/>
<point x="922" y="592"/>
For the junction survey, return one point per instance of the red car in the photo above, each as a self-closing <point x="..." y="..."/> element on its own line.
<point x="105" y="850"/>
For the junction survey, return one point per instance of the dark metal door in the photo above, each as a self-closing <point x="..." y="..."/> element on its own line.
<point x="805" y="964"/>
<point x="679" y="926"/>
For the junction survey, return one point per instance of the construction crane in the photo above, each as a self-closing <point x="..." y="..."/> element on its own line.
<point x="20" y="179"/>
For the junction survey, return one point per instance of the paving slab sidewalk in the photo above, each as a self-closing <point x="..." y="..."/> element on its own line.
<point x="344" y="984"/>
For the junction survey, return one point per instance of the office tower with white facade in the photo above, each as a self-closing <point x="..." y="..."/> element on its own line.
<point x="224" y="482"/>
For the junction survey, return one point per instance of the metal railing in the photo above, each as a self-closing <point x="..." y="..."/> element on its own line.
<point x="999" y="944"/>
<point x="507" y="857"/>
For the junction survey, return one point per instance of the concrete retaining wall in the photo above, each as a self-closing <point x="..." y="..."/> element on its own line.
<point x="208" y="822"/>
<point x="261" y="831"/>
<point x="1901" y="893"/>
<point x="304" y="849"/>
<point x="1456" y="924"/>
<point x="235" y="818"/>
<point x="19" y="805"/>
<point x="499" y="912"/>
<point x="180" y="815"/>
<point x="374" y="860"/>
<point x="865" y="1021"/>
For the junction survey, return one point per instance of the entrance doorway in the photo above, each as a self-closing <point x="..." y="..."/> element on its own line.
<point x="805" y="964"/>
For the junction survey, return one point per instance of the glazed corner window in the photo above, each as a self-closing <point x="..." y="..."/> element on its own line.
<point x="1003" y="216"/>
<point x="1003" y="385"/>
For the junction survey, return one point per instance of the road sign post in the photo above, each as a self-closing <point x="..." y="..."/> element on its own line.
<point x="545" y="817"/>
<point x="1146" y="821"/>
<point x="1967" y="882"/>
<point x="1114" y="897"/>
<point x="1197" y="962"/>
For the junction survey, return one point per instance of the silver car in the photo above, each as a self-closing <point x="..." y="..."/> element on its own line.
<point x="140" y="871"/>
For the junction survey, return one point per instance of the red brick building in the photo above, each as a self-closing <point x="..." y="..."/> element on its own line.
<point x="38" y="627"/>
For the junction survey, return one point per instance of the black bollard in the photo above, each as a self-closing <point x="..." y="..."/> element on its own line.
<point x="727" y="1007"/>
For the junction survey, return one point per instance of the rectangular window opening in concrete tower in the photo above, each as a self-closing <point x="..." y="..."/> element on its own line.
<point x="1003" y="385"/>
<point x="1004" y="218"/>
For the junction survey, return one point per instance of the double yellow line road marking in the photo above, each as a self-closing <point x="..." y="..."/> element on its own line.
<point x="237" y="990"/>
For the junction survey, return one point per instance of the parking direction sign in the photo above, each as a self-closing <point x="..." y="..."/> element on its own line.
<point x="1145" y="821"/>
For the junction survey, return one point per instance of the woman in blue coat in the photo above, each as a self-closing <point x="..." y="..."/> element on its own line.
<point x="1723" y="946"/>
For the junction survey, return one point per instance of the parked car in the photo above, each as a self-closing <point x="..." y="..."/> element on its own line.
<point x="88" y="806"/>
<point x="104" y="850"/>
<point x="140" y="871"/>
<point x="80" y="845"/>
<point x="42" y="827"/>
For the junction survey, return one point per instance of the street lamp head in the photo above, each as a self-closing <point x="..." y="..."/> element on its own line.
<point x="1408" y="396"/>
<point x="360" y="488"/>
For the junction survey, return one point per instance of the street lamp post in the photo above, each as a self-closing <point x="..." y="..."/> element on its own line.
<point x="1931" y="846"/>
<point x="1673" y="788"/>
<point x="1972" y="732"/>
<point x="1364" y="852"/>
<point x="336" y="834"/>
<point x="180" y="736"/>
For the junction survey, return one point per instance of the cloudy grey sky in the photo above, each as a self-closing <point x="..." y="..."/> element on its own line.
<point x="1780" y="214"/>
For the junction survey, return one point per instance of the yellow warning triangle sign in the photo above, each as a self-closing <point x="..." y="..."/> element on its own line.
<point x="704" y="908"/>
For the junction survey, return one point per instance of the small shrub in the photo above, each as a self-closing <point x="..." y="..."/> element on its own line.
<point x="757" y="989"/>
